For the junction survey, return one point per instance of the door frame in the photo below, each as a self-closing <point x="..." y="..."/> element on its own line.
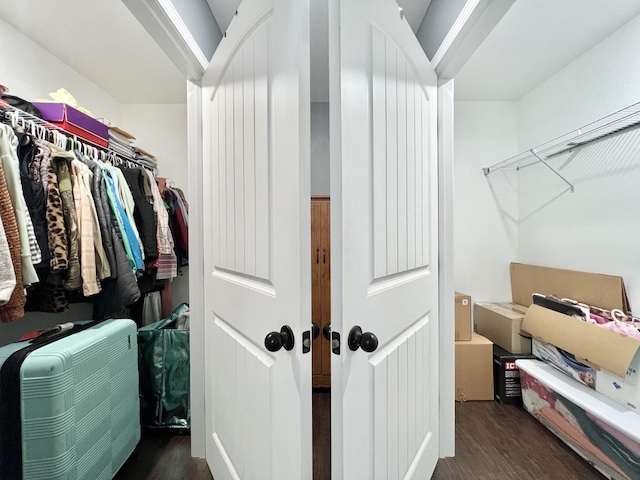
<point x="446" y="302"/>
<point x="196" y="245"/>
<point x="196" y="269"/>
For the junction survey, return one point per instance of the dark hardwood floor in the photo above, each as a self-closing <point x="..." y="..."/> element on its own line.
<point x="504" y="442"/>
<point x="164" y="455"/>
<point x="493" y="442"/>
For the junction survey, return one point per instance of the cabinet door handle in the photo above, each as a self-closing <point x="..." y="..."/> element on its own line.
<point x="317" y="255"/>
<point x="324" y="255"/>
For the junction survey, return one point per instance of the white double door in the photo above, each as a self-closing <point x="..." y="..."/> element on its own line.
<point x="257" y="279"/>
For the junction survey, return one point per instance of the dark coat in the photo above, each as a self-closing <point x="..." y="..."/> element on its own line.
<point x="33" y="191"/>
<point x="143" y="213"/>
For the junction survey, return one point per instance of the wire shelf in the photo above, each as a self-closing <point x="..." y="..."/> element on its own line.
<point x="34" y="126"/>
<point x="618" y="122"/>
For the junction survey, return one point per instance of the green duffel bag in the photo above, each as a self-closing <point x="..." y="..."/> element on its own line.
<point x="163" y="361"/>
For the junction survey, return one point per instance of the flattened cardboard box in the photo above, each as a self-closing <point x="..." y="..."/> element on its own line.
<point x="614" y="357"/>
<point x="463" y="316"/>
<point x="604" y="291"/>
<point x="501" y="323"/>
<point x="474" y="369"/>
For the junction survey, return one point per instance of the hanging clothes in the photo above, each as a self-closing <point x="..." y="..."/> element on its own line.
<point x="75" y="227"/>
<point x="14" y="308"/>
<point x="10" y="164"/>
<point x="7" y="273"/>
<point x="101" y="203"/>
<point x="143" y="213"/>
<point x="128" y="204"/>
<point x="30" y="156"/>
<point x="123" y="290"/>
<point x="84" y="210"/>
<point x="102" y="267"/>
<point x="132" y="247"/>
<point x="73" y="280"/>
<point x="167" y="262"/>
<point x="178" y="227"/>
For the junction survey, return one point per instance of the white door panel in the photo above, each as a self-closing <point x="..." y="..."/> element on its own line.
<point x="384" y="224"/>
<point x="257" y="239"/>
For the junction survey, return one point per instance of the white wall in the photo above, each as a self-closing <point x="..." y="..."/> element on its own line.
<point x="31" y="72"/>
<point x="320" y="149"/>
<point x="530" y="216"/>
<point x="485" y="229"/>
<point x="596" y="228"/>
<point x="600" y="82"/>
<point x="161" y="129"/>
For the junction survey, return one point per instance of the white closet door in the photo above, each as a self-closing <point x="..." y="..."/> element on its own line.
<point x="384" y="196"/>
<point x="257" y="240"/>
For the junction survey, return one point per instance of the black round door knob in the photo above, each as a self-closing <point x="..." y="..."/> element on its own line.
<point x="315" y="330"/>
<point x="326" y="331"/>
<point x="367" y="340"/>
<point x="274" y="341"/>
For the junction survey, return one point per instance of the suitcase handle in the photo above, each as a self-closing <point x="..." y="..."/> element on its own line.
<point x="55" y="330"/>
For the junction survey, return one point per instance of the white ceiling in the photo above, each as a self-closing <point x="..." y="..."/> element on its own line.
<point x="106" y="44"/>
<point x="533" y="41"/>
<point x="103" y="41"/>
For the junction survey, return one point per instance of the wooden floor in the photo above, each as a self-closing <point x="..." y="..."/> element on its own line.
<point x="164" y="455"/>
<point x="504" y="442"/>
<point x="493" y="442"/>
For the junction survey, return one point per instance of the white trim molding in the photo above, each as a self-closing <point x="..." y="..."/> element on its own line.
<point x="167" y="28"/>
<point x="196" y="269"/>
<point x="446" y="305"/>
<point x="474" y="23"/>
<point x="183" y="31"/>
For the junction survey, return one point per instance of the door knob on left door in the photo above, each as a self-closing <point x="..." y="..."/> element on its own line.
<point x="274" y="341"/>
<point x="367" y="340"/>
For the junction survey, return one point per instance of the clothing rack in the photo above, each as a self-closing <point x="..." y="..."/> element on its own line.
<point x="44" y="130"/>
<point x="619" y="122"/>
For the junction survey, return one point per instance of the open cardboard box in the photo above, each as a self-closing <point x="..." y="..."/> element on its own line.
<point x="501" y="322"/>
<point x="602" y="359"/>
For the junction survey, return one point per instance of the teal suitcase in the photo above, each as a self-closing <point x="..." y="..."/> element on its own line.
<point x="70" y="403"/>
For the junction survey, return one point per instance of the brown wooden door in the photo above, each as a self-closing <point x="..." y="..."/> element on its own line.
<point x="321" y="287"/>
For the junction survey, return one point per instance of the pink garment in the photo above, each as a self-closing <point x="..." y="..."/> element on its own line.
<point x="623" y="328"/>
<point x="597" y="319"/>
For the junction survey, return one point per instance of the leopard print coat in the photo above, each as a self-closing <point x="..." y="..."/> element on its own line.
<point x="74" y="279"/>
<point x="57" y="232"/>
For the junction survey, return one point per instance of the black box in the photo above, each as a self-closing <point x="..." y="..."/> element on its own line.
<point x="506" y="376"/>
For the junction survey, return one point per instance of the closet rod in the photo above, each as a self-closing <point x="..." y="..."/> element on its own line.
<point x="618" y="122"/>
<point x="77" y="140"/>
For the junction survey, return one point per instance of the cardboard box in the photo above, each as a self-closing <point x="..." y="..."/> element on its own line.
<point x="506" y="376"/>
<point x="501" y="323"/>
<point x="474" y="371"/>
<point x="463" y="316"/>
<point x="75" y="122"/>
<point x="604" y="291"/>
<point x="578" y="348"/>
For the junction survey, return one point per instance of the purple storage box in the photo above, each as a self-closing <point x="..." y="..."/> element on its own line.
<point x="71" y="119"/>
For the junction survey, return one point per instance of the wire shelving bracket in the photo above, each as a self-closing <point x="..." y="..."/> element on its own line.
<point x="618" y="122"/>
